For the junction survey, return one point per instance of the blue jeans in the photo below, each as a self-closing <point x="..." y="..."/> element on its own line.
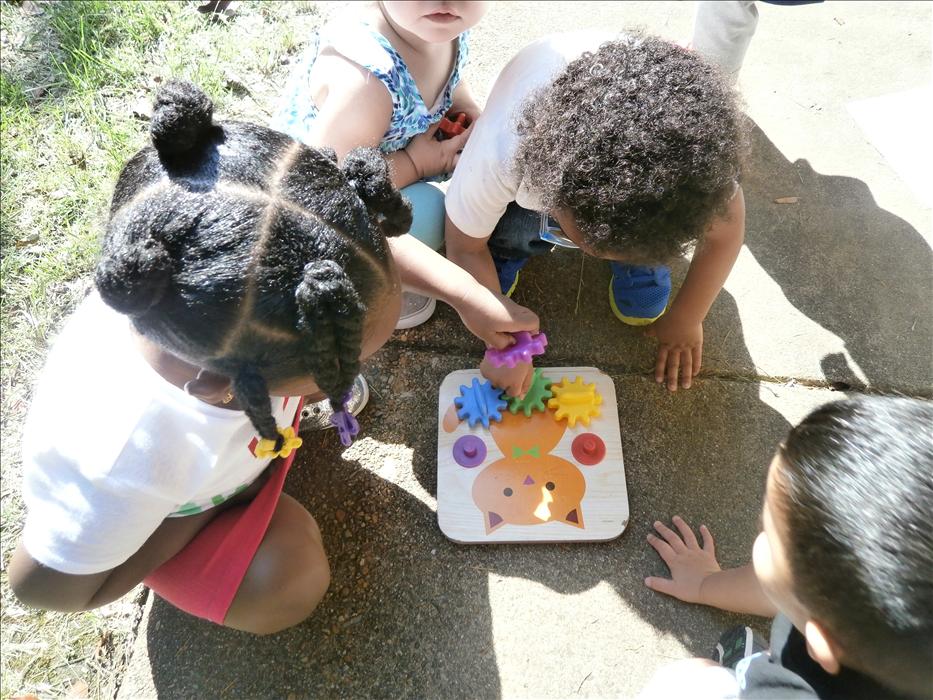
<point x="517" y="234"/>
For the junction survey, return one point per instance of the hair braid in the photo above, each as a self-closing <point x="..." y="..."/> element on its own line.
<point x="330" y="314"/>
<point x="253" y="393"/>
<point x="368" y="174"/>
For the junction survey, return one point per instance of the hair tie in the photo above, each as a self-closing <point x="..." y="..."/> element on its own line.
<point x="345" y="422"/>
<point x="290" y="442"/>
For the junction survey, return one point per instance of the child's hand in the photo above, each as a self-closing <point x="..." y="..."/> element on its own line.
<point x="680" y="350"/>
<point x="432" y="157"/>
<point x="689" y="563"/>
<point x="493" y="317"/>
<point x="514" y="380"/>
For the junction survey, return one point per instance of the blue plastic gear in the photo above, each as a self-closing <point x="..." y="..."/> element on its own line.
<point x="480" y="403"/>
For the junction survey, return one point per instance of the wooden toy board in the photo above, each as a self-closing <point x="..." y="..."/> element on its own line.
<point x="527" y="484"/>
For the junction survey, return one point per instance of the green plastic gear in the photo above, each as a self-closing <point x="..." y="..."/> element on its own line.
<point x="539" y="391"/>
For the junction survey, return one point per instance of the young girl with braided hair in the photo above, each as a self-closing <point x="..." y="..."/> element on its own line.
<point x="241" y="271"/>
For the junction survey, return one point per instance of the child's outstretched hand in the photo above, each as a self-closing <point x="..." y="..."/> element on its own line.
<point x="690" y="564"/>
<point x="680" y="350"/>
<point x="515" y="381"/>
<point x="432" y="157"/>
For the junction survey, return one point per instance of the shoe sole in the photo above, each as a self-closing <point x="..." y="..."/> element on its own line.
<point x="630" y="320"/>
<point x="364" y="400"/>
<point x="514" y="285"/>
<point x="417" y="318"/>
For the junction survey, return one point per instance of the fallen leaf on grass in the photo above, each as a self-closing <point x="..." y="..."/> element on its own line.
<point x="142" y="110"/>
<point x="787" y="200"/>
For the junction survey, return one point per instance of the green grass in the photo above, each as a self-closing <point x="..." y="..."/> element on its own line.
<point x="74" y="76"/>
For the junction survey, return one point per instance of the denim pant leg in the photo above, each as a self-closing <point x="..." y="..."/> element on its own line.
<point x="517" y="234"/>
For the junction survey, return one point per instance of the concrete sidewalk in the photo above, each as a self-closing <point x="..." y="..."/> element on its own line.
<point x="831" y="294"/>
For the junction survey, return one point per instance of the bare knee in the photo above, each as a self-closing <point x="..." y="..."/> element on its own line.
<point x="288" y="577"/>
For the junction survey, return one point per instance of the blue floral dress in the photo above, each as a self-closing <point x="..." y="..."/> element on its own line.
<point x="366" y="47"/>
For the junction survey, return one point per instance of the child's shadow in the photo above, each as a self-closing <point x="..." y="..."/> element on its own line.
<point x="409" y="613"/>
<point x="857" y="270"/>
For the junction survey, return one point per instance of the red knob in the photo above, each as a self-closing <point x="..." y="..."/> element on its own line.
<point x="588" y="449"/>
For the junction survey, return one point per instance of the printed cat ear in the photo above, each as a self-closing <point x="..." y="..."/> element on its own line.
<point x="575" y="517"/>
<point x="493" y="521"/>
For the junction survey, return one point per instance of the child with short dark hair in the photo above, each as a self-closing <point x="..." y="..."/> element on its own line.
<point x="844" y="559"/>
<point x="240" y="271"/>
<point x="625" y="146"/>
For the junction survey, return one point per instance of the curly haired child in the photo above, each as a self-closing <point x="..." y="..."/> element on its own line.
<point x="843" y="560"/>
<point x="384" y="75"/>
<point x="241" y="270"/>
<point x="628" y="148"/>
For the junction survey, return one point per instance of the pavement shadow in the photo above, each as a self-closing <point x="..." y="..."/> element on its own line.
<point x="409" y="613"/>
<point x="854" y="268"/>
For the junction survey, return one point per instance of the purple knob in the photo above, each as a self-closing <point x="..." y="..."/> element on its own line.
<point x="469" y="451"/>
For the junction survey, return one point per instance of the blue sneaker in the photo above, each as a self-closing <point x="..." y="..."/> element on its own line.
<point x="508" y="269"/>
<point x="638" y="295"/>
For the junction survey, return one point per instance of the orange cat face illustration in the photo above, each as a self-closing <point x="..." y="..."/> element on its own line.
<point x="529" y="491"/>
<point x="529" y="486"/>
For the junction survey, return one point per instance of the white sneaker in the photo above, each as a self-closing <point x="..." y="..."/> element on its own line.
<point x="416" y="309"/>
<point x="316" y="416"/>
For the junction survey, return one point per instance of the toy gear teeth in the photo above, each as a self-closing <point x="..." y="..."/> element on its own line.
<point x="523" y="349"/>
<point x="480" y="403"/>
<point x="535" y="398"/>
<point x="575" y="401"/>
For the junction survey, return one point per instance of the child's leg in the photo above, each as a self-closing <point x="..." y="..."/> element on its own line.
<point x="516" y="237"/>
<point x="427" y="213"/>
<point x="41" y="587"/>
<point x="288" y="576"/>
<point x="722" y="32"/>
<point x="701" y="679"/>
<point x="427" y="225"/>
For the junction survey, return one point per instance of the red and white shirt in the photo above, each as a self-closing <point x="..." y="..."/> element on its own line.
<point x="111" y="449"/>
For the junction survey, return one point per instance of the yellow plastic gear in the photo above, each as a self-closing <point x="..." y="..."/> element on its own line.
<point x="575" y="401"/>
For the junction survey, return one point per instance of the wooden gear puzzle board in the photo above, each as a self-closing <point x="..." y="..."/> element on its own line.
<point x="532" y="477"/>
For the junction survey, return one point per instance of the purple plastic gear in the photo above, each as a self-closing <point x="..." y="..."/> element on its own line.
<point x="345" y="422"/>
<point x="480" y="403"/>
<point x="523" y="349"/>
<point x="469" y="451"/>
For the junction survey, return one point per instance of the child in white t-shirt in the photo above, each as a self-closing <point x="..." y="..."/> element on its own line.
<point x="627" y="147"/>
<point x="241" y="270"/>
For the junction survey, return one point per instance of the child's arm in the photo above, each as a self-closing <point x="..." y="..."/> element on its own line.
<point x="697" y="578"/>
<point x="486" y="313"/>
<point x="472" y="254"/>
<point x="357" y="111"/>
<point x="463" y="101"/>
<point x="680" y="330"/>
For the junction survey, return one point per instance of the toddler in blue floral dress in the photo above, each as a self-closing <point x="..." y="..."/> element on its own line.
<point x="384" y="76"/>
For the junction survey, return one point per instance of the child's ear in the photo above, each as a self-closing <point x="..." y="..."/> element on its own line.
<point x="209" y="386"/>
<point x="821" y="647"/>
